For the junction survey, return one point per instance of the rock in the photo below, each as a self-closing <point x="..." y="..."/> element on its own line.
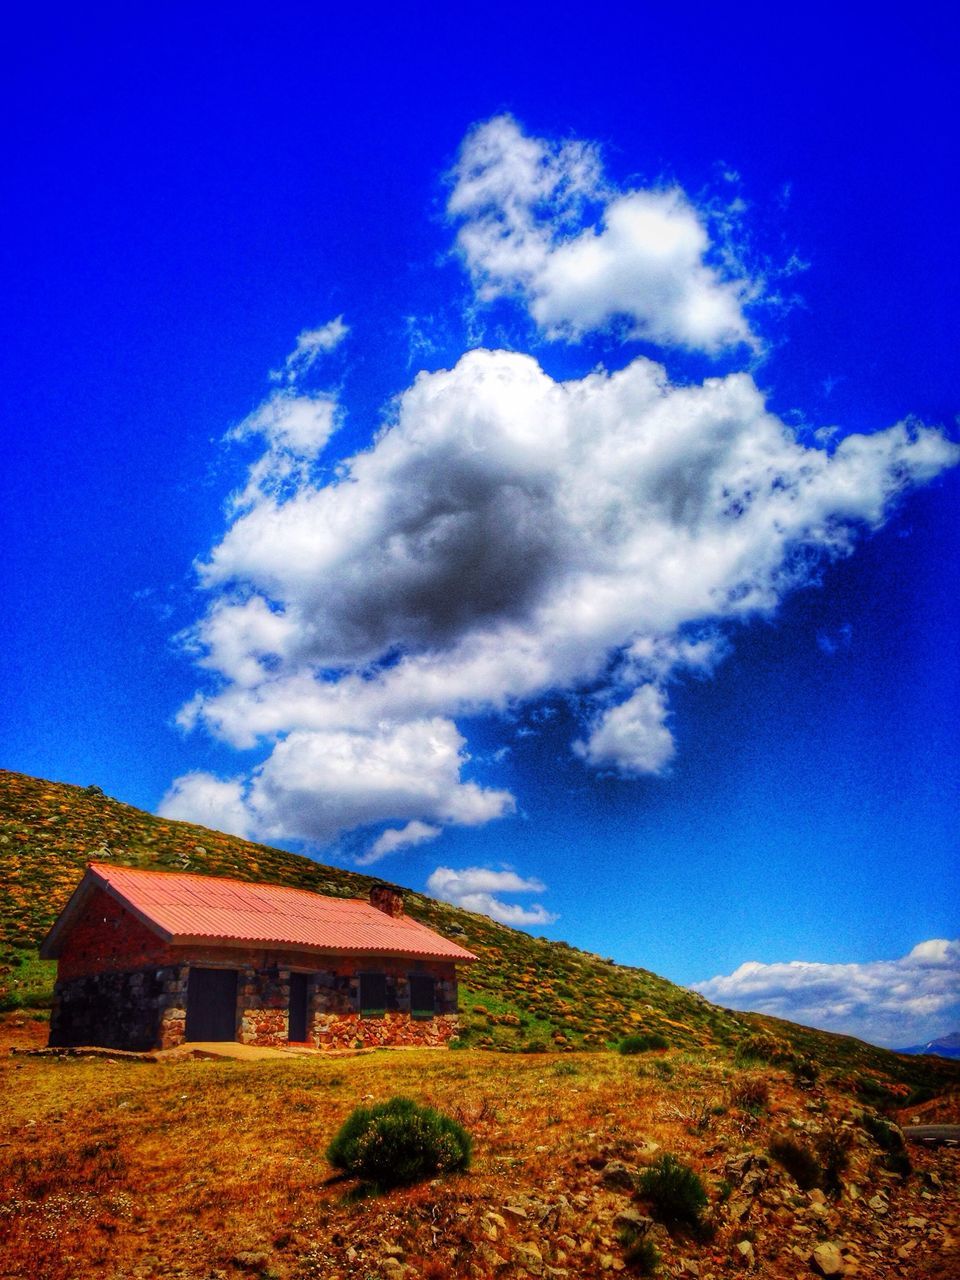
<point x="616" y="1174"/>
<point x="738" y="1207"/>
<point x="745" y="1250"/>
<point x="878" y="1204"/>
<point x="529" y="1257"/>
<point x="690" y="1267"/>
<point x="390" y="1250"/>
<point x="816" y="1196"/>
<point x="646" y="1152"/>
<point x="391" y="1266"/>
<point x="514" y="1211"/>
<point x="632" y="1220"/>
<point x="828" y="1260"/>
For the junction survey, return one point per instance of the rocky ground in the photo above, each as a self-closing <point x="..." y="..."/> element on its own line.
<point x="215" y="1170"/>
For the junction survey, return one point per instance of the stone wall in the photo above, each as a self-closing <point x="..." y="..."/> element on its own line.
<point x="136" y="1011"/>
<point x="333" y="1017"/>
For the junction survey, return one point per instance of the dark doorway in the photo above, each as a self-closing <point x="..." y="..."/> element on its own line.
<point x="297" y="1026"/>
<point x="212" y="1004"/>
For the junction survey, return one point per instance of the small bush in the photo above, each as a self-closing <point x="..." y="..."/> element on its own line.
<point x="889" y="1138"/>
<point x="798" y="1160"/>
<point x="639" y="1253"/>
<point x="396" y="1143"/>
<point x="751" y="1094"/>
<point x="761" y="1046"/>
<point x="833" y="1147"/>
<point x="805" y="1072"/>
<point x="643" y="1043"/>
<point x="674" y="1191"/>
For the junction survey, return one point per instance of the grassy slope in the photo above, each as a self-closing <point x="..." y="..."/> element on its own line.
<point x="525" y="991"/>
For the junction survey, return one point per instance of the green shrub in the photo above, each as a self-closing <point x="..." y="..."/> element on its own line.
<point x="641" y="1254"/>
<point x="805" y="1072"/>
<point x="798" y="1160"/>
<point x="643" y="1043"/>
<point x="675" y="1193"/>
<point x="398" y="1142"/>
<point x="765" y="1048"/>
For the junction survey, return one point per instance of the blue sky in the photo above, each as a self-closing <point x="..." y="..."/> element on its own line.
<point x="493" y="454"/>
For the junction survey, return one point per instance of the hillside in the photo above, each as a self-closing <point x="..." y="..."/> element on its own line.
<point x="525" y="993"/>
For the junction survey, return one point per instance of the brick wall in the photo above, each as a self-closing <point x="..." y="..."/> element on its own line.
<point x="108" y="939"/>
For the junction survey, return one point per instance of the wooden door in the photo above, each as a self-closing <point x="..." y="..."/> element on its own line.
<point x="211" y="1004"/>
<point x="297" y="1025"/>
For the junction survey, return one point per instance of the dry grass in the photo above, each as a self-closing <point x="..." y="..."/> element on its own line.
<point x="214" y="1169"/>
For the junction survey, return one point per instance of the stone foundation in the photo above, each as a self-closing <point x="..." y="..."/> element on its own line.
<point x="145" y="1007"/>
<point x="133" y="1011"/>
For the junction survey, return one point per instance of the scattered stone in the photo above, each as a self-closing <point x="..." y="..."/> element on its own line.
<point x="514" y="1211"/>
<point x="878" y="1204"/>
<point x="745" y="1250"/>
<point x="646" y="1152"/>
<point x="529" y="1256"/>
<point x="616" y="1174"/>
<point x="690" y="1267"/>
<point x="828" y="1260"/>
<point x="738" y="1207"/>
<point x="632" y="1220"/>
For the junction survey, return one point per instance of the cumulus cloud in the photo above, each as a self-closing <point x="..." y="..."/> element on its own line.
<point x="475" y="888"/>
<point x="511" y="535"/>
<point x="891" y="1002"/>
<point x="631" y="737"/>
<point x="314" y="785"/>
<point x="394" y="839"/>
<point x="507" y="536"/>
<point x="212" y="802"/>
<point x="538" y="222"/>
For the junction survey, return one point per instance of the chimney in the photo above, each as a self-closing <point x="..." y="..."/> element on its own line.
<point x="387" y="899"/>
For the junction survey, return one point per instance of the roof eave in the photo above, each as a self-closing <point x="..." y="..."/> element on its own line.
<point x="385" y="953"/>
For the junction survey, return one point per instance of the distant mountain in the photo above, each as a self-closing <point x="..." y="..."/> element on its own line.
<point x="945" y="1047"/>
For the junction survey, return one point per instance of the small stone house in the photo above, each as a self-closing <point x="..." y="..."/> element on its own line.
<point x="150" y="959"/>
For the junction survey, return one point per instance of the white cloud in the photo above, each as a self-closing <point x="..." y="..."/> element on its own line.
<point x="474" y="888"/>
<point x="311" y="344"/>
<point x="316" y="784"/>
<point x="538" y="223"/>
<point x="394" y="839"/>
<point x="300" y="425"/>
<point x="507" y="536"/>
<point x="511" y="535"/>
<point x="891" y="1002"/>
<point x="632" y="737"/>
<point x="211" y="802"/>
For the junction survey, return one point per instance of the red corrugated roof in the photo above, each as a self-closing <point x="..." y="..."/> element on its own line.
<point x="187" y="907"/>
